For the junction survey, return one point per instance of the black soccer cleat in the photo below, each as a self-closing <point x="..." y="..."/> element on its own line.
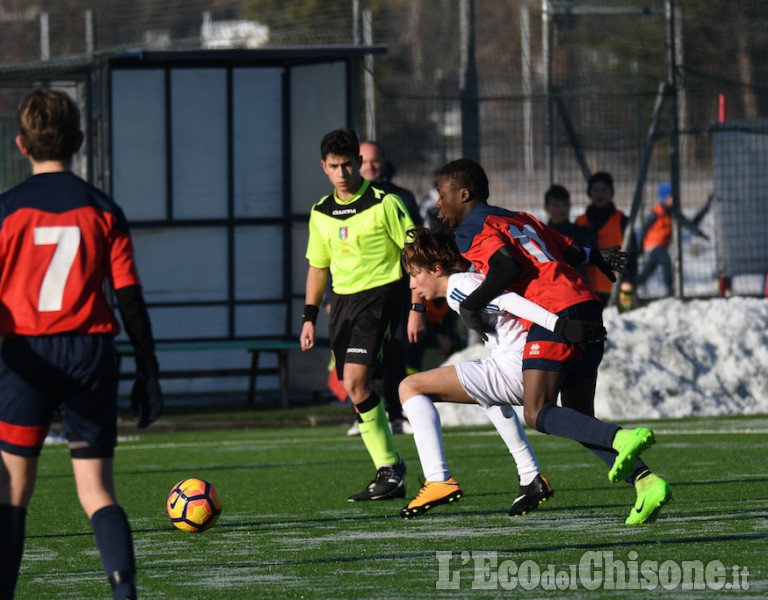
<point x="530" y="496"/>
<point x="387" y="485"/>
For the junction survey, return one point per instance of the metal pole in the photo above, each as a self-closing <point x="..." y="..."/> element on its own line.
<point x="356" y="22"/>
<point x="637" y="200"/>
<point x="525" y="43"/>
<point x="469" y="88"/>
<point x="45" y="42"/>
<point x="682" y="98"/>
<point x="674" y="147"/>
<point x="90" y="37"/>
<point x="546" y="40"/>
<point x="370" y="103"/>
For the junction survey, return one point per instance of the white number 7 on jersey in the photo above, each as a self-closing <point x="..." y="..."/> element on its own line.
<point x="67" y="240"/>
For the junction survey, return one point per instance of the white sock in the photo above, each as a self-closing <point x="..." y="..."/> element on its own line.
<point x="428" y="437"/>
<point x="511" y="431"/>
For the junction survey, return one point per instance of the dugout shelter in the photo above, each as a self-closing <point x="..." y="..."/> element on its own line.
<point x="214" y="157"/>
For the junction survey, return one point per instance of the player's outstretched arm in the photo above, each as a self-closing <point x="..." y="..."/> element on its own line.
<point x="574" y="331"/>
<point x="146" y="395"/>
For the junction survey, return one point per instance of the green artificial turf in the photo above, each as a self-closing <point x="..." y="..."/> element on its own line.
<point x="287" y="530"/>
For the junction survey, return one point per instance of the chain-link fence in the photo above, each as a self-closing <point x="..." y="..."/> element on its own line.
<point x="539" y="91"/>
<point x="569" y="88"/>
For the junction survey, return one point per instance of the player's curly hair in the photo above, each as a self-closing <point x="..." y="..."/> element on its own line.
<point x="49" y="125"/>
<point x="424" y="249"/>
<point x="341" y="142"/>
<point x="466" y="174"/>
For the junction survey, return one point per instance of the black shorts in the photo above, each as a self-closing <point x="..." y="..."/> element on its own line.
<point x="547" y="351"/>
<point x="75" y="375"/>
<point x="361" y="323"/>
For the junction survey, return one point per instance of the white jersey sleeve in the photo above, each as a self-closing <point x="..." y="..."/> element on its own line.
<point x="502" y="312"/>
<point x="525" y="309"/>
<point x="460" y="285"/>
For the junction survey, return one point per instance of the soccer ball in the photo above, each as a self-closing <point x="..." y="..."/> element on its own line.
<point x="193" y="505"/>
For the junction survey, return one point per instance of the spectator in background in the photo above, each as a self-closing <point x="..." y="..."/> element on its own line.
<point x="557" y="205"/>
<point x="377" y="169"/>
<point x="656" y="237"/>
<point x="607" y="224"/>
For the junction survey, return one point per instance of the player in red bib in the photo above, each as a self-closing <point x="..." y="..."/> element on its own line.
<point x="61" y="241"/>
<point x="518" y="253"/>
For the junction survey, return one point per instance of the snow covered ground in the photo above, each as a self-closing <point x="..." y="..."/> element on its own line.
<point x="672" y="358"/>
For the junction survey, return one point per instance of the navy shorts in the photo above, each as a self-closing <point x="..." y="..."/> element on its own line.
<point x="360" y="324"/>
<point x="547" y="351"/>
<point x="75" y="375"/>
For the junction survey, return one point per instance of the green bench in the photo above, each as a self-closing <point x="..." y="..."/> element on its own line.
<point x="255" y="348"/>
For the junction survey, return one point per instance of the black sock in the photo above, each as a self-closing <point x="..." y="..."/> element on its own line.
<point x="641" y="471"/>
<point x="113" y="537"/>
<point x="571" y="424"/>
<point x="12" y="520"/>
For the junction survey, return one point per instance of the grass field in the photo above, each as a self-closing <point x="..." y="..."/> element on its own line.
<point x="287" y="531"/>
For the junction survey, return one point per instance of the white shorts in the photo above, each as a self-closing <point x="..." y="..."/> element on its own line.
<point x="493" y="381"/>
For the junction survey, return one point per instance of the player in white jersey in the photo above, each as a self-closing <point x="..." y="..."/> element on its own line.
<point x="496" y="380"/>
<point x="495" y="383"/>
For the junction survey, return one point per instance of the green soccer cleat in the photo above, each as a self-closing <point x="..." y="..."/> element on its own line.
<point x="629" y="443"/>
<point x="652" y="493"/>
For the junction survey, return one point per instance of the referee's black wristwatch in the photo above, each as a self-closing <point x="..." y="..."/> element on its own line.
<point x="421" y="308"/>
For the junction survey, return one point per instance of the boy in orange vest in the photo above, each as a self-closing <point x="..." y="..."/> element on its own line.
<point x="607" y="224"/>
<point x="657" y="236"/>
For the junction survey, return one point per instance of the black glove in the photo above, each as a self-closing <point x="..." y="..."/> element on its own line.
<point x="575" y="331"/>
<point x="146" y="399"/>
<point x="609" y="260"/>
<point x="473" y="320"/>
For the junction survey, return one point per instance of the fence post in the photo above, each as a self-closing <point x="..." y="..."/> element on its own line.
<point x="469" y="88"/>
<point x="370" y="101"/>
<point x="546" y="57"/>
<point x="45" y="41"/>
<point x="90" y="34"/>
<point x="674" y="146"/>
<point x="637" y="200"/>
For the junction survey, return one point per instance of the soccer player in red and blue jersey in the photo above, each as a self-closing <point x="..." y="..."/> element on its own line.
<point x="61" y="242"/>
<point x="518" y="253"/>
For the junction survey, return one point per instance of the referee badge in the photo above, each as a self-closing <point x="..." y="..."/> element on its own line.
<point x="343" y="233"/>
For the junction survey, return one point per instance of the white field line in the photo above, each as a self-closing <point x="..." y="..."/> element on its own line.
<point x="656" y="430"/>
<point x="132" y="440"/>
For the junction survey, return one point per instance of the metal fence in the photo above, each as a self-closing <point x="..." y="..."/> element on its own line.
<point x="539" y="91"/>
<point x="564" y="89"/>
